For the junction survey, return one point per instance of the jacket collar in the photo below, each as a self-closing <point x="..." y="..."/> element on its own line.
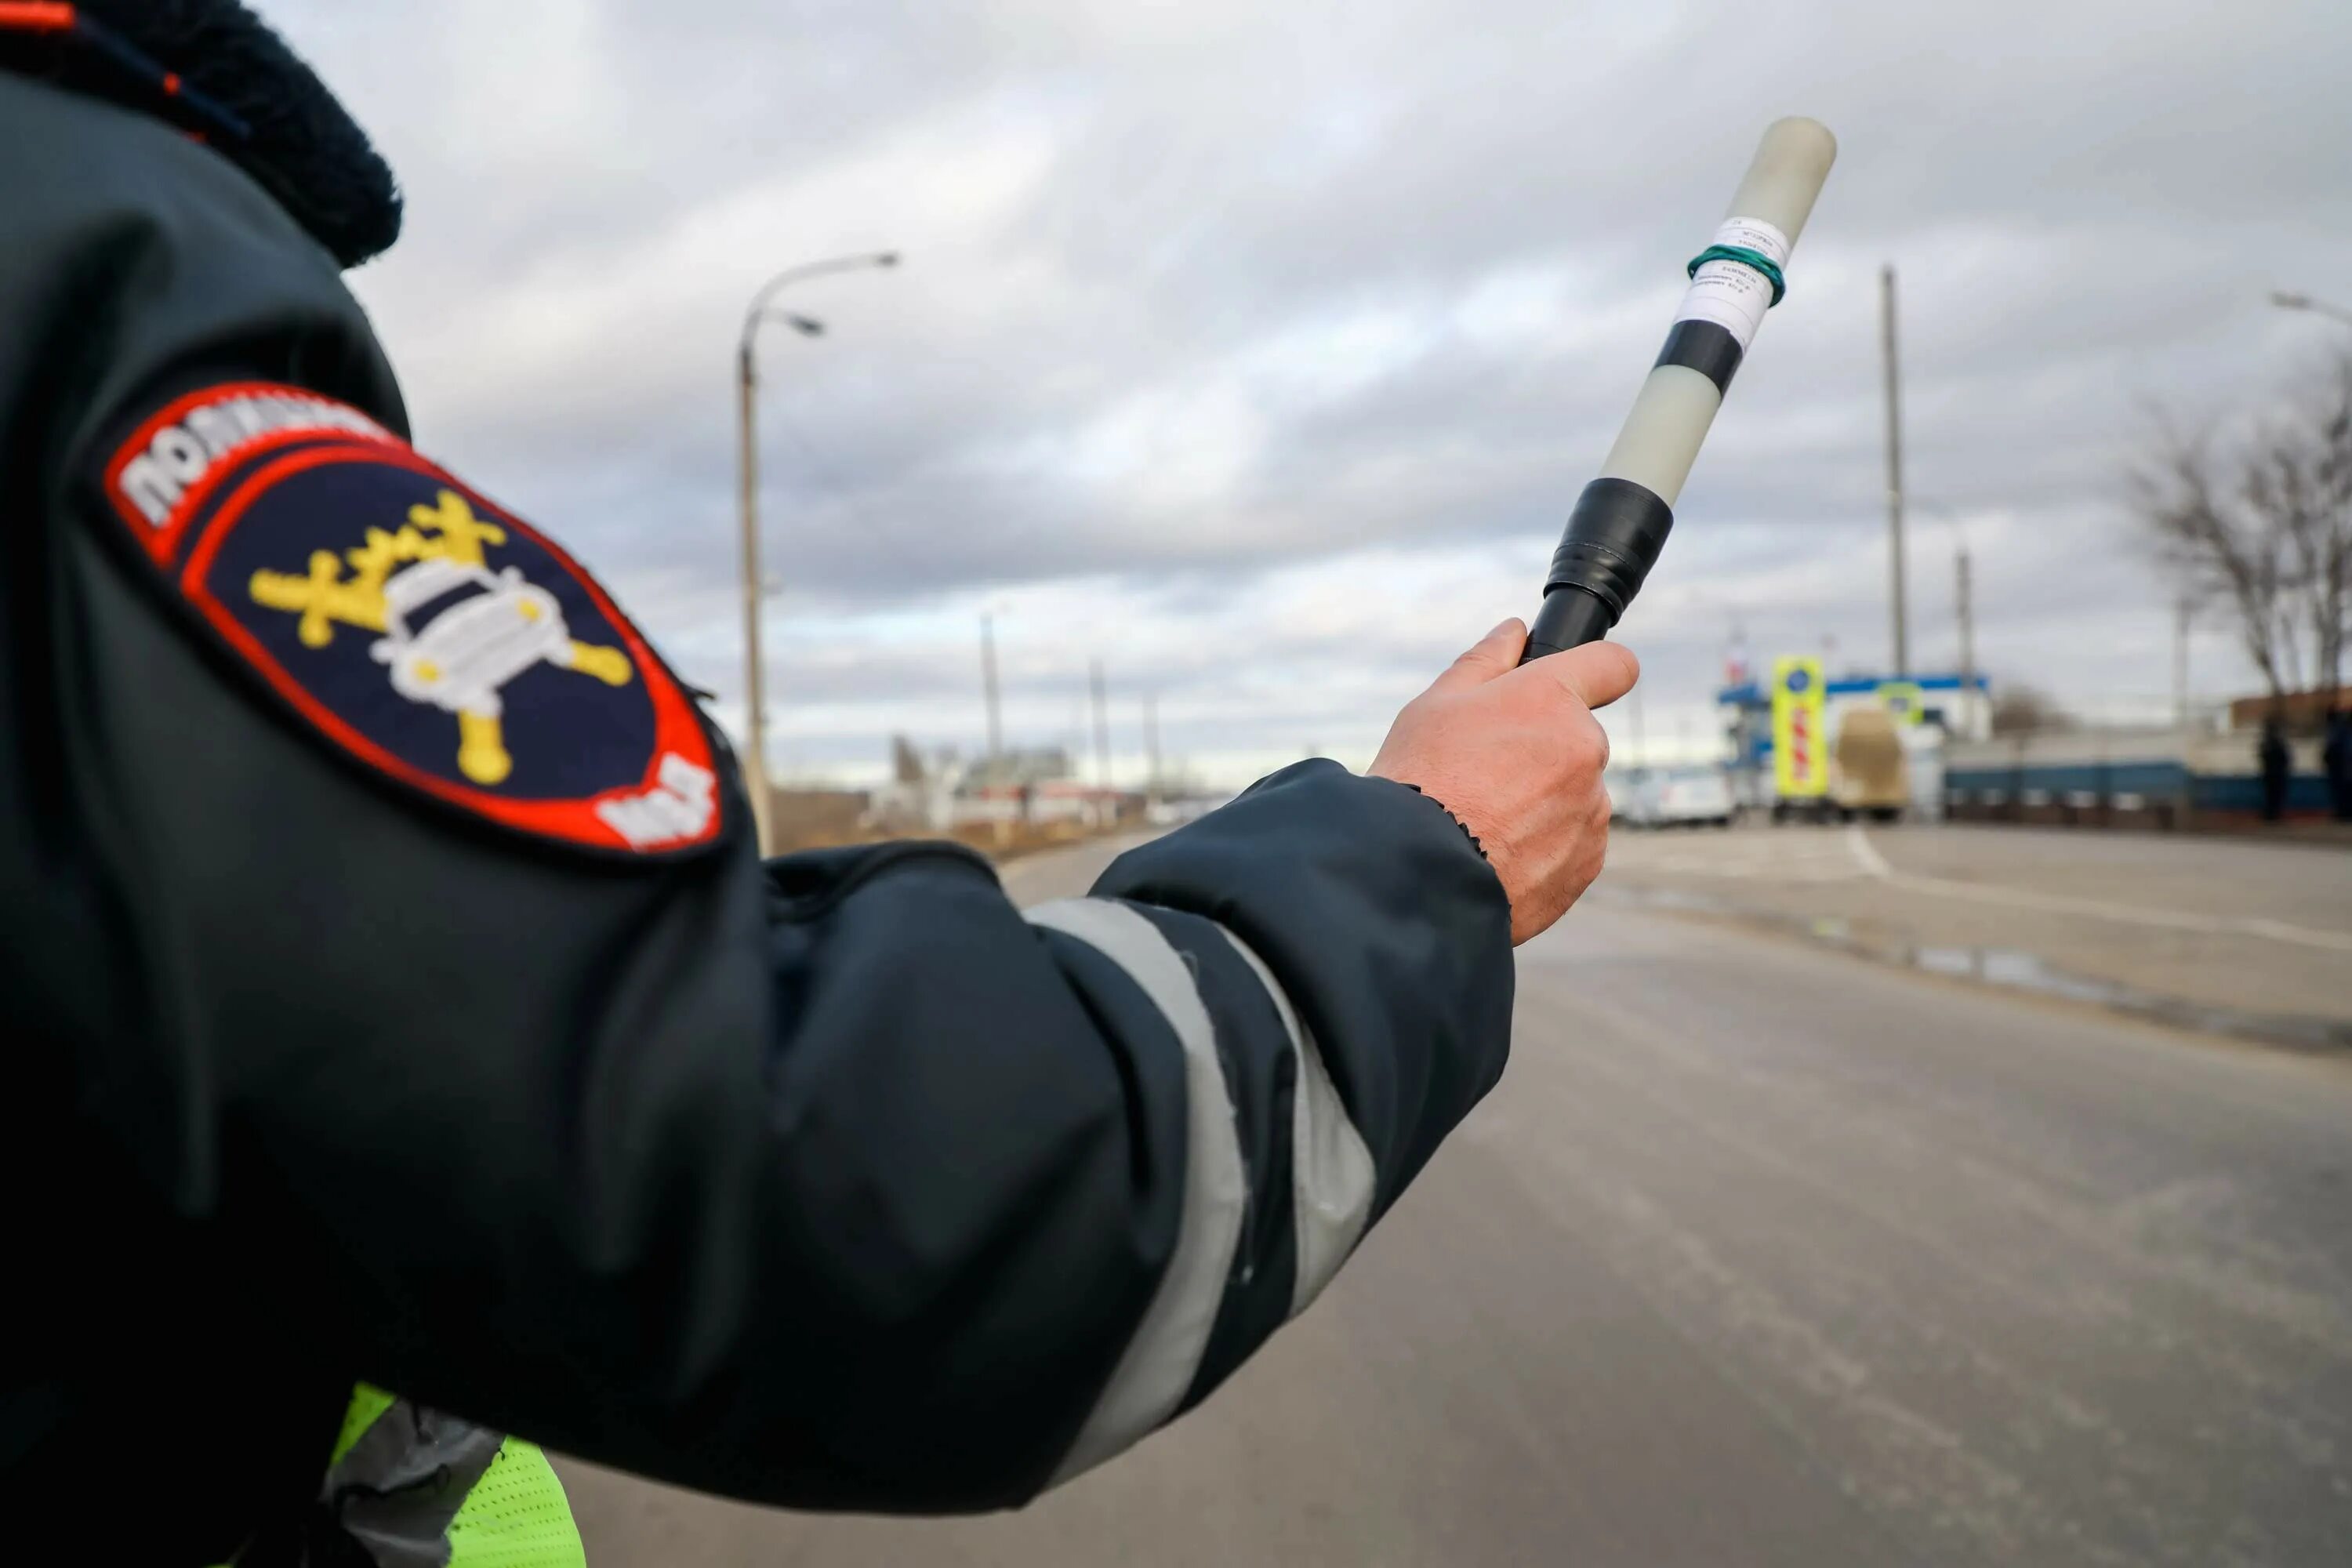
<point x="217" y="71"/>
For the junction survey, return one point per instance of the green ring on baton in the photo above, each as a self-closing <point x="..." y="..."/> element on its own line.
<point x="1755" y="259"/>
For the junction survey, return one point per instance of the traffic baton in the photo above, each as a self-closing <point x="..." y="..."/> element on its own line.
<point x="1621" y="519"/>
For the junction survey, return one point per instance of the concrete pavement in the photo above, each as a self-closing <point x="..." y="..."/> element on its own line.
<point x="1760" y="1254"/>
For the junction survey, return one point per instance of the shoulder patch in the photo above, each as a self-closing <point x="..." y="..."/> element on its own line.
<point x="416" y="625"/>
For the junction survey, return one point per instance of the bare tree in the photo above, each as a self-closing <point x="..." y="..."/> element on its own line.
<point x="2023" y="709"/>
<point x="2320" y="521"/>
<point x="2263" y="526"/>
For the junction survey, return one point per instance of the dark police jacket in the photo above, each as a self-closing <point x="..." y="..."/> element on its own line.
<point x="394" y="991"/>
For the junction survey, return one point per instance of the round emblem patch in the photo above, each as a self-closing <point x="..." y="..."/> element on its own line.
<point x="439" y="640"/>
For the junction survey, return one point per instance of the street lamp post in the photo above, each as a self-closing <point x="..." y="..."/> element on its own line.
<point x="747" y="382"/>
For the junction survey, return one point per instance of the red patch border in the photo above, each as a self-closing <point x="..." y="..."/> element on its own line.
<point x="162" y="539"/>
<point x="678" y="727"/>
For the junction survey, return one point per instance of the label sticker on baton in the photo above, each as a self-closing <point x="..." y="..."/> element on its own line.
<point x="1728" y="293"/>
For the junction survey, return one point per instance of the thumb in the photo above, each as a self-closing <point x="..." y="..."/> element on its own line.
<point x="1495" y="654"/>
<point x="1597" y="672"/>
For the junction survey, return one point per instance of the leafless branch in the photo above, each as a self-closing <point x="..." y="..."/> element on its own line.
<point x="2262" y="527"/>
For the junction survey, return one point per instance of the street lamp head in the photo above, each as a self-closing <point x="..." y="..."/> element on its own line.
<point x="887" y="258"/>
<point x="806" y="326"/>
<point x="2327" y="308"/>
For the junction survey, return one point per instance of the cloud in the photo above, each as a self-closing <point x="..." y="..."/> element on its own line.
<point x="1260" y="350"/>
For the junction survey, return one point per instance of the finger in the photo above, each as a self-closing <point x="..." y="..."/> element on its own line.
<point x="1495" y="654"/>
<point x="1597" y="673"/>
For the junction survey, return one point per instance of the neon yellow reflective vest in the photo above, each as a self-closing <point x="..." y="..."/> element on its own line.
<point x="414" y="1488"/>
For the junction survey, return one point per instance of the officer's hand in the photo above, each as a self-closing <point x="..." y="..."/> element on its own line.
<point x="1516" y="754"/>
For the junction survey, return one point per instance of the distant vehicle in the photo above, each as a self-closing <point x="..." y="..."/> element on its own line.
<point x="1669" y="797"/>
<point x="1868" y="773"/>
<point x="1621" y="784"/>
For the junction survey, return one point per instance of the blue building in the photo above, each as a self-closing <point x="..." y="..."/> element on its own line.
<point x="2151" y="777"/>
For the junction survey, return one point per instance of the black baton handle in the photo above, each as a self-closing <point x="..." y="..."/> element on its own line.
<point x="1612" y="539"/>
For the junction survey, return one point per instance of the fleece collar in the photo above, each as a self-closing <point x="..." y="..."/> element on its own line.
<point x="217" y="71"/>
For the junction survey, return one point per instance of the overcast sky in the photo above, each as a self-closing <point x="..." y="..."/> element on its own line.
<point x="1260" y="349"/>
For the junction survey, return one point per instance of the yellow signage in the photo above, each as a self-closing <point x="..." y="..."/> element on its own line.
<point x="1800" y="741"/>
<point x="1903" y="701"/>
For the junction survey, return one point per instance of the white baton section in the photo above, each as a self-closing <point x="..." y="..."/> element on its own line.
<point x="1162" y="1358"/>
<point x="1660" y="436"/>
<point x="1331" y="1172"/>
<point x="1731" y="294"/>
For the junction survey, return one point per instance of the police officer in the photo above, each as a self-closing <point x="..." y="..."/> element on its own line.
<point x="399" y="1003"/>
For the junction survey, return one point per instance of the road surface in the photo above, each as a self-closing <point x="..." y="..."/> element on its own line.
<point x="2241" y="930"/>
<point x="1760" y="1255"/>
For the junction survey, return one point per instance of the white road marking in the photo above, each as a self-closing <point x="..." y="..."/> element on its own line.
<point x="1874" y="864"/>
<point x="1865" y="853"/>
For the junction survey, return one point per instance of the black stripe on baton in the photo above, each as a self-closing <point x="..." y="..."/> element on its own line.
<point x="1706" y="348"/>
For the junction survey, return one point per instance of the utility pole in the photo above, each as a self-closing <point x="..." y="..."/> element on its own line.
<point x="2180" y="615"/>
<point x="1893" y="465"/>
<point x="1102" y="727"/>
<point x="1151" y="744"/>
<point x="1965" y="594"/>
<point x="988" y="690"/>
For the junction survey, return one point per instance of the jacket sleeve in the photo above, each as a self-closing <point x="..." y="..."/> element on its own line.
<point x="835" y="1181"/>
<point x="1099" y="1153"/>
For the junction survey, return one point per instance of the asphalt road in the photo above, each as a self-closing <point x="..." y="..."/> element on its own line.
<point x="1760" y="1255"/>
<point x="2235" y="926"/>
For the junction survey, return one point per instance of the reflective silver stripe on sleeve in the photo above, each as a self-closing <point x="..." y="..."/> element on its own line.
<point x="397" y="1489"/>
<point x="1161" y="1357"/>
<point x="1331" y="1172"/>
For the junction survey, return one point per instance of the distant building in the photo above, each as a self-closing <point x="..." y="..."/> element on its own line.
<point x="945" y="791"/>
<point x="2204" y="772"/>
<point x="1042" y="764"/>
<point x="1938" y="707"/>
<point x="2138" y="776"/>
<point x="2304" y="711"/>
